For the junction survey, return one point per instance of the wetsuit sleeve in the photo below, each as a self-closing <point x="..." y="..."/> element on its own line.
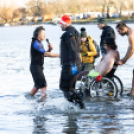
<point x="72" y="48"/>
<point x="39" y="47"/>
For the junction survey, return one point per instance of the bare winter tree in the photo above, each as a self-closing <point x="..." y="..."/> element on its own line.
<point x="121" y="5"/>
<point x="105" y="5"/>
<point x="37" y="7"/>
<point x="9" y="12"/>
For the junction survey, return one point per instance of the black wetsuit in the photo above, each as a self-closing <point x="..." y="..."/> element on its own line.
<point x="37" y="61"/>
<point x="107" y="32"/>
<point x="70" y="55"/>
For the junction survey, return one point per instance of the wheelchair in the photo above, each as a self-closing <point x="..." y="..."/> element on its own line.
<point x="109" y="85"/>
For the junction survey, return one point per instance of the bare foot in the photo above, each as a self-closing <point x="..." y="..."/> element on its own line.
<point x="43" y="94"/>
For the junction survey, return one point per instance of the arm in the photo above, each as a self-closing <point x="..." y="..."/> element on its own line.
<point x="39" y="47"/>
<point x="130" y="49"/>
<point x="49" y="54"/>
<point x="72" y="45"/>
<point x="72" y="50"/>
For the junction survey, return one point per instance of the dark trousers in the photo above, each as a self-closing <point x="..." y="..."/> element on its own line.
<point x="67" y="80"/>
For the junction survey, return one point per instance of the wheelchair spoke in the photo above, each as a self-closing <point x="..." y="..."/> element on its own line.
<point x="105" y="87"/>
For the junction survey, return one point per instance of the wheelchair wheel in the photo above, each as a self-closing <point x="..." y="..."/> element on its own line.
<point x="119" y="84"/>
<point x="106" y="87"/>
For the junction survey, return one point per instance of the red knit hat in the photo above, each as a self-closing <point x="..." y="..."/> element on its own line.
<point x="65" y="19"/>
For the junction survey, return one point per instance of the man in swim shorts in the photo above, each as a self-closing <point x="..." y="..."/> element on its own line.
<point x="106" y="63"/>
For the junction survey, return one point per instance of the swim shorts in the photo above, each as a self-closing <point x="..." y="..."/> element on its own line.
<point x="93" y="73"/>
<point x="38" y="76"/>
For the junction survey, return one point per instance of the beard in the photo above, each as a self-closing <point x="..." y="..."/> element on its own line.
<point x="62" y="29"/>
<point x="123" y="34"/>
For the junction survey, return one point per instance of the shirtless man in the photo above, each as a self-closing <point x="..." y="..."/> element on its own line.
<point x="123" y="29"/>
<point x="107" y="62"/>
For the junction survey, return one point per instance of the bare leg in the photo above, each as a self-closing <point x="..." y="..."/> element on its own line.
<point x="79" y="76"/>
<point x="132" y="90"/>
<point x="43" y="92"/>
<point x="33" y="91"/>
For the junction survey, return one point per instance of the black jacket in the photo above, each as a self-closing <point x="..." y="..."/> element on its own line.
<point x="107" y="32"/>
<point x="70" y="47"/>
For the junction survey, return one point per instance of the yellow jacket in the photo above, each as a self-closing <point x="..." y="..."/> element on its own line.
<point x="89" y="58"/>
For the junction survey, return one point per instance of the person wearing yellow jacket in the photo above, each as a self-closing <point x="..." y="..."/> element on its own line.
<point x="88" y="51"/>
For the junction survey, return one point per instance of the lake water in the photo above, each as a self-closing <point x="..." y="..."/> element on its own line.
<point x="25" y="115"/>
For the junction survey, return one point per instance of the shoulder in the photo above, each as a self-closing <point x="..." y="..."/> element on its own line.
<point x="36" y="42"/>
<point x="115" y="54"/>
<point x="90" y="38"/>
<point x="64" y="35"/>
<point x="108" y="29"/>
<point x="131" y="36"/>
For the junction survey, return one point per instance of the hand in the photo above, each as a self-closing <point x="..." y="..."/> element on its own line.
<point x="58" y="55"/>
<point x="50" y="47"/>
<point x="84" y="54"/>
<point x="74" y="70"/>
<point x="119" y="62"/>
<point x="98" y="78"/>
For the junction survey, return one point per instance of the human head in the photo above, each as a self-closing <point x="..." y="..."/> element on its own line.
<point x="39" y="33"/>
<point x="109" y="43"/>
<point x="83" y="34"/>
<point x="101" y="22"/>
<point x="122" y="28"/>
<point x="65" y="22"/>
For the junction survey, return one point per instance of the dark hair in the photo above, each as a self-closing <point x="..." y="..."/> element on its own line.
<point x="83" y="29"/>
<point x="112" y="46"/>
<point x="120" y="25"/>
<point x="37" y="31"/>
<point x="110" y="42"/>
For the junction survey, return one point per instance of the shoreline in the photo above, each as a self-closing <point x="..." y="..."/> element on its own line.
<point x="95" y="22"/>
<point x="79" y="22"/>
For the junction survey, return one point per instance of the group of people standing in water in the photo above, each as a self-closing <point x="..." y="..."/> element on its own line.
<point x="77" y="54"/>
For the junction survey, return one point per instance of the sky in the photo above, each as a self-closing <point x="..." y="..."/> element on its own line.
<point x="19" y="2"/>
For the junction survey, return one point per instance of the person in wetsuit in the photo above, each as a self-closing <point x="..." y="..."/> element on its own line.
<point x="37" y="61"/>
<point x="70" y="57"/>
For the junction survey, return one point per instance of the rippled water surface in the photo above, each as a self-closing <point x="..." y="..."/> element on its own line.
<point x="21" y="114"/>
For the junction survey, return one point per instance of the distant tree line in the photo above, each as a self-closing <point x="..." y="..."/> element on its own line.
<point x="34" y="8"/>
